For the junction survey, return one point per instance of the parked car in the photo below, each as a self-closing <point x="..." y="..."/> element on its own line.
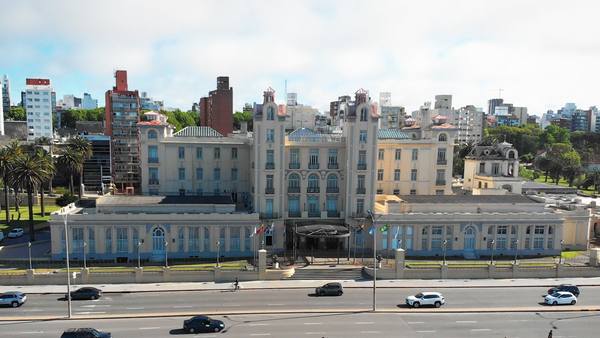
<point x="1" y="236"/>
<point x="202" y="324"/>
<point x="330" y="289"/>
<point x="565" y="287"/>
<point x="85" y="333"/>
<point x="560" y="297"/>
<point x="86" y="293"/>
<point x="13" y="298"/>
<point x="426" y="298"/>
<point x="16" y="232"/>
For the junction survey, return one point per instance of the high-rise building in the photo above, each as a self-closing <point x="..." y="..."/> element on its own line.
<point x="122" y="116"/>
<point x="216" y="110"/>
<point x="88" y="103"/>
<point x="299" y="115"/>
<point x="38" y="100"/>
<point x="392" y="117"/>
<point x="492" y="104"/>
<point x="6" y="94"/>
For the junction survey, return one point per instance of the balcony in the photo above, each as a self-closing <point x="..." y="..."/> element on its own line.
<point x="361" y="191"/>
<point x="312" y="190"/>
<point x="269" y="191"/>
<point x="152" y="182"/>
<point x="268" y="215"/>
<point x="361" y="166"/>
<point x="333" y="213"/>
<point x="442" y="162"/>
<point x="269" y="166"/>
<point x="358" y="215"/>
<point x="294" y="165"/>
<point x="294" y="190"/>
<point x="333" y="165"/>
<point x="152" y="159"/>
<point x="313" y="166"/>
<point x="333" y="190"/>
<point x="440" y="182"/>
<point x="294" y="213"/>
<point x="314" y="214"/>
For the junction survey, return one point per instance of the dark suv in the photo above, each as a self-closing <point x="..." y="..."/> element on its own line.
<point x="331" y="289"/>
<point x="565" y="287"/>
<point x="85" y="333"/>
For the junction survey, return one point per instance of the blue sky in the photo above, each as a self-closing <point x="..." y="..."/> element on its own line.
<point x="541" y="53"/>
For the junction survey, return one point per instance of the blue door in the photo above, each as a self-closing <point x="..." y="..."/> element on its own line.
<point x="158" y="242"/>
<point x="470" y="239"/>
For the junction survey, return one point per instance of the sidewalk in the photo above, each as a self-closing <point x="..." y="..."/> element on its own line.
<point x="309" y="284"/>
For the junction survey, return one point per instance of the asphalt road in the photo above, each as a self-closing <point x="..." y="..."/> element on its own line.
<point x="334" y="325"/>
<point x="291" y="300"/>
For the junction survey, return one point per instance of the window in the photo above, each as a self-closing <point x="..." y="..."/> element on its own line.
<point x="441" y="154"/>
<point x="332" y="181"/>
<point x="482" y="167"/>
<point x="360" y="206"/>
<point x="269" y="181"/>
<point x="398" y="155"/>
<point x="295" y="155"/>
<point x="361" y="181"/>
<point x="198" y="153"/>
<point x="217" y="153"/>
<point x="539" y="229"/>
<point x="270" y="114"/>
<point x="380" y="154"/>
<point x="333" y="158"/>
<point x="235" y="242"/>
<point x="91" y="241"/>
<point x="440" y="176"/>
<point x="437" y="230"/>
<point x="413" y="191"/>
<point x="234" y="174"/>
<point x="313" y="181"/>
<point x="270" y="157"/>
<point x="194" y="239"/>
<point x="502" y="229"/>
<point x="182" y="174"/>
<point x="152" y="154"/>
<point x="121" y="239"/>
<point x="495" y="168"/>
<point x="234" y="153"/>
<point x="152" y="134"/>
<point x="413" y="174"/>
<point x="314" y="159"/>
<point x="396" y="174"/>
<point x="415" y="154"/>
<point x="294" y="181"/>
<point x="442" y="138"/>
<point x="380" y="174"/>
<point x="362" y="157"/>
<point x="332" y="203"/>
<point x="217" y="174"/>
<point x="294" y="205"/>
<point x="108" y="240"/>
<point x="362" y="136"/>
<point x="77" y="240"/>
<point x="222" y="238"/>
<point x="180" y="239"/>
<point x="538" y="243"/>
<point x="270" y="135"/>
<point x="181" y="153"/>
<point x="206" y="239"/>
<point x="313" y="205"/>
<point x="363" y="114"/>
<point x="199" y="173"/>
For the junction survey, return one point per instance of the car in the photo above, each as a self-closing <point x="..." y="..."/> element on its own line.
<point x="560" y="297"/>
<point x="330" y="289"/>
<point x="86" y="293"/>
<point x="1" y="236"/>
<point x="13" y="298"/>
<point x="426" y="298"/>
<point x="85" y="333"/>
<point x="565" y="287"/>
<point x="16" y="232"/>
<point x="202" y="324"/>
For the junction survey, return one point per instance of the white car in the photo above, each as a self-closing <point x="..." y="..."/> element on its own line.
<point x="560" y="297"/>
<point x="425" y="298"/>
<point x="16" y="232"/>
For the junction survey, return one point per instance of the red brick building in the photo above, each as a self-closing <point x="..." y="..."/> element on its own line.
<point x="216" y="110"/>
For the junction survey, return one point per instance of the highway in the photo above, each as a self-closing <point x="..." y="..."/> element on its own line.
<point x="277" y="301"/>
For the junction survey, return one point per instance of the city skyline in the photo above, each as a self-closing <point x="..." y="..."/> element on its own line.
<point x="471" y="50"/>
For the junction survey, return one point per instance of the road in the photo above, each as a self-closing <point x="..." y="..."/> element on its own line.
<point x="277" y="301"/>
<point x="338" y="325"/>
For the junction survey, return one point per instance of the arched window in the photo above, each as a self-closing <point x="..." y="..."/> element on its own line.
<point x="363" y="114"/>
<point x="332" y="181"/>
<point x="442" y="138"/>
<point x="108" y="240"/>
<point x="294" y="181"/>
<point x="448" y="230"/>
<point x="528" y="231"/>
<point x="63" y="241"/>
<point x="270" y="114"/>
<point x="511" y="154"/>
<point x="247" y="239"/>
<point x="470" y="231"/>
<point x="479" y="184"/>
<point x="152" y="134"/>
<point x="513" y="230"/>
<point x="91" y="240"/>
<point x="135" y="239"/>
<point x="313" y="181"/>
<point x="491" y="230"/>
<point x="206" y="238"/>
<point x="180" y="236"/>
<point x="222" y="238"/>
<point x="424" y="231"/>
<point x="550" y="230"/>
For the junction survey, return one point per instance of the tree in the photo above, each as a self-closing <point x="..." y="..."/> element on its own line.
<point x="16" y="114"/>
<point x="28" y="172"/>
<point x="84" y="147"/>
<point x="559" y="160"/>
<point x="571" y="166"/>
<point x="240" y="117"/>
<point x="73" y="162"/>
<point x="542" y="162"/>
<point x="551" y="135"/>
<point x="46" y="162"/>
<point x="6" y="162"/>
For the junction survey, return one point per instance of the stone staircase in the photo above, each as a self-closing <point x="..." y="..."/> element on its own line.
<point x="470" y="255"/>
<point x="328" y="273"/>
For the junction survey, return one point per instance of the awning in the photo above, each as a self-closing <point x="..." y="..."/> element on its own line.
<point x="322" y="230"/>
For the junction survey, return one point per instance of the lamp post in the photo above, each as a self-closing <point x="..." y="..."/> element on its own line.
<point x="68" y="268"/>
<point x="84" y="245"/>
<point x="166" y="255"/>
<point x="562" y="241"/>
<point x="516" y="250"/>
<point x="374" y="258"/>
<point x="492" y="259"/>
<point x="445" y="242"/>
<point x="218" y="251"/>
<point x="29" y="245"/>
<point x="138" y="245"/>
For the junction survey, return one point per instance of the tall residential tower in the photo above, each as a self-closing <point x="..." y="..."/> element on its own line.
<point x="38" y="100"/>
<point x="216" y="110"/>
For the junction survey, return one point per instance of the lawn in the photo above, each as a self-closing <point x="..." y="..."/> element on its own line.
<point x="24" y="221"/>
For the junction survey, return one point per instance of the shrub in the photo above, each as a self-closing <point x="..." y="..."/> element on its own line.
<point x="66" y="199"/>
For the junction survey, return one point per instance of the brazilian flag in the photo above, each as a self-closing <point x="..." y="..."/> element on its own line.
<point x="384" y="228"/>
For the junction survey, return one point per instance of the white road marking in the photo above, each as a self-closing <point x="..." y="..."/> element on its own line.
<point x="313" y="323"/>
<point x="426" y="331"/>
<point x="262" y="324"/>
<point x="323" y="303"/>
<point x="315" y="332"/>
<point x="182" y="306"/>
<point x="149" y="328"/>
<point x="276" y="304"/>
<point x="415" y="322"/>
<point x="465" y="321"/>
<point x="89" y="313"/>
<point x="260" y="334"/>
<point x="31" y="332"/>
<point x="231" y="305"/>
<point x="95" y="306"/>
<point x="370" y="331"/>
<point x="34" y="310"/>
<point x="134" y="308"/>
<point x="362" y="323"/>
<point x="481" y="329"/>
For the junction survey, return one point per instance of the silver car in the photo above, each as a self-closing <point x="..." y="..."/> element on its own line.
<point x="13" y="298"/>
<point x="426" y="298"/>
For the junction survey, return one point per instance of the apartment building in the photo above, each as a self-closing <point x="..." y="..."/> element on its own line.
<point x="216" y="110"/>
<point x="39" y="101"/>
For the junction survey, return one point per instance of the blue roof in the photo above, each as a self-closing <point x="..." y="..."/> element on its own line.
<point x="391" y="134"/>
<point x="195" y="131"/>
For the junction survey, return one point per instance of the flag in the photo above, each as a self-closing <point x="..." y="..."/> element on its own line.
<point x="261" y="229"/>
<point x="269" y="230"/>
<point x="253" y="233"/>
<point x="284" y="230"/>
<point x="384" y="228"/>
<point x="372" y="231"/>
<point x="397" y="232"/>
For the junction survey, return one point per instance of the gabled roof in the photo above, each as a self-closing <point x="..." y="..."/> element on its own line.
<point x="391" y="134"/>
<point x="195" y="131"/>
<point x="302" y="134"/>
<point x="153" y="123"/>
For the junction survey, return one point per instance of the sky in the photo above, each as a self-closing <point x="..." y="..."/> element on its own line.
<point x="534" y="54"/>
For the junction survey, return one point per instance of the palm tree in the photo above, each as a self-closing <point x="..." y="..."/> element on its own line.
<point x="84" y="147"/>
<point x="47" y="163"/>
<point x="73" y="162"/>
<point x="29" y="173"/>
<point x="6" y="159"/>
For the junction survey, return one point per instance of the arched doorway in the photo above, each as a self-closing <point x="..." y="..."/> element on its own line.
<point x="470" y="239"/>
<point x="158" y="241"/>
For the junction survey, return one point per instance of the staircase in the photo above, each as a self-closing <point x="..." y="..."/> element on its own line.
<point x="470" y="255"/>
<point x="327" y="273"/>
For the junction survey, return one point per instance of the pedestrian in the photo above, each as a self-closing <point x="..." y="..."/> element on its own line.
<point x="550" y="334"/>
<point x="237" y="283"/>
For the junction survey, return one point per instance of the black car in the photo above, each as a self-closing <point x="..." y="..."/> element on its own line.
<point x="202" y="324"/>
<point x="85" y="333"/>
<point x="330" y="289"/>
<point x="86" y="293"/>
<point x="565" y="287"/>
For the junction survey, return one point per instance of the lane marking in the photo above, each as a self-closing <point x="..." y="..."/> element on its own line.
<point x="261" y="324"/>
<point x="465" y="321"/>
<point x="323" y="303"/>
<point x="89" y="313"/>
<point x="230" y="305"/>
<point x="95" y="306"/>
<point x="426" y="331"/>
<point x="415" y="322"/>
<point x="150" y="328"/>
<point x="134" y="308"/>
<point x="313" y="323"/>
<point x="30" y="332"/>
<point x="315" y="332"/>
<point x="370" y="332"/>
<point x="481" y="329"/>
<point x="260" y="334"/>
<point x="34" y="310"/>
<point x="362" y="323"/>
<point x="276" y="304"/>
<point x="182" y="306"/>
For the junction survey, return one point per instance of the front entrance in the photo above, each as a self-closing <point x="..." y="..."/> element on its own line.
<point x="158" y="241"/>
<point x="469" y="239"/>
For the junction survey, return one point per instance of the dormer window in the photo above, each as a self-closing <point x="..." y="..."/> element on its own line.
<point x="152" y="134"/>
<point x="363" y="114"/>
<point x="270" y="114"/>
<point x="442" y="138"/>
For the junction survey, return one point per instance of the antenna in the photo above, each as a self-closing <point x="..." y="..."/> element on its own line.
<point x="500" y="90"/>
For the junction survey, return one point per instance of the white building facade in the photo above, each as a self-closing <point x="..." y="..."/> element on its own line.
<point x="38" y="102"/>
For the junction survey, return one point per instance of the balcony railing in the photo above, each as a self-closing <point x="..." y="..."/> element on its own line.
<point x="314" y="214"/>
<point x="268" y="215"/>
<point x="293" y="190"/>
<point x="269" y="166"/>
<point x="152" y="182"/>
<point x="333" y="190"/>
<point x="361" y="166"/>
<point x="294" y="213"/>
<point x="358" y="215"/>
<point x="152" y="159"/>
<point x="294" y="165"/>
<point x="440" y="182"/>
<point x="269" y="191"/>
<point x="442" y="162"/>
<point x="332" y="165"/>
<point x="361" y="191"/>
<point x="312" y="190"/>
<point x="331" y="213"/>
<point x="313" y="166"/>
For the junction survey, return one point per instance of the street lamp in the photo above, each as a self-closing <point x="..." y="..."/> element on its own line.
<point x="68" y="268"/>
<point x="492" y="259"/>
<point x="516" y="248"/>
<point x="29" y="245"/>
<point x="166" y="255"/>
<point x="445" y="242"/>
<point x="374" y="258"/>
<point x="138" y="245"/>
<point x="218" y="251"/>
<point x="84" y="245"/>
<point x="562" y="241"/>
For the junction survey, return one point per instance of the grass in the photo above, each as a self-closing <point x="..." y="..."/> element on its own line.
<point x="24" y="221"/>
